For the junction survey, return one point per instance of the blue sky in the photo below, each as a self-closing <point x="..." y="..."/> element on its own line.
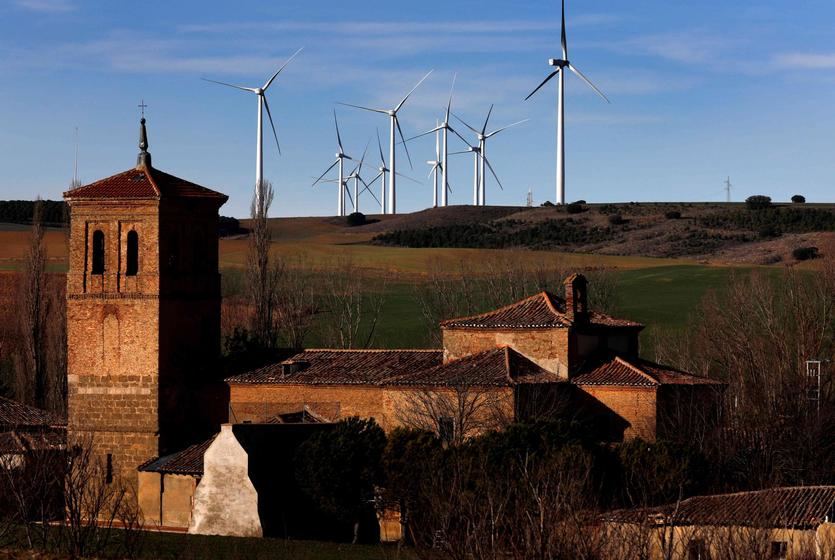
<point x="699" y="90"/>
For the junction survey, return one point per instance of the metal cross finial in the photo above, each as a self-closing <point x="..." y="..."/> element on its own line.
<point x="142" y="107"/>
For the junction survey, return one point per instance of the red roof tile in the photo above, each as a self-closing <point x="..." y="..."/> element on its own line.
<point x="187" y="461"/>
<point x="500" y="367"/>
<point x="14" y="442"/>
<point x="636" y="373"/>
<point x="142" y="183"/>
<point x="18" y="415"/>
<point x="787" y="507"/>
<point x="541" y="311"/>
<point x="343" y="367"/>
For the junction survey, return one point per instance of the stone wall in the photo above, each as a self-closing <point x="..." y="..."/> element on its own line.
<point x="168" y="494"/>
<point x="549" y="348"/>
<point x="635" y="405"/>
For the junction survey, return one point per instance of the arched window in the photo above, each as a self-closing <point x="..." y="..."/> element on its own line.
<point x="132" y="254"/>
<point x="98" y="252"/>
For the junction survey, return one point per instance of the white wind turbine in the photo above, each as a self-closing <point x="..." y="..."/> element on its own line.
<point x="383" y="170"/>
<point x="340" y="156"/>
<point x="479" y="161"/>
<point x="482" y="136"/>
<point x="394" y="129"/>
<point x="259" y="145"/>
<point x="357" y="177"/>
<point x="560" y="65"/>
<point x="437" y="165"/>
<point x="444" y="128"/>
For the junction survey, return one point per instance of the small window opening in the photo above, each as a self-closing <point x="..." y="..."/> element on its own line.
<point x="779" y="550"/>
<point x="98" y="252"/>
<point x="108" y="477"/>
<point x="132" y="267"/>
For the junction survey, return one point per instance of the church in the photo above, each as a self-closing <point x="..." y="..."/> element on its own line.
<point x="143" y="330"/>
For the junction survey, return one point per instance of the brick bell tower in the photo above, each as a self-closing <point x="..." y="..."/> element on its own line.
<point x="143" y="310"/>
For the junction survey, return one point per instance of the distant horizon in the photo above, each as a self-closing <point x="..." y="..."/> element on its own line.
<point x="699" y="93"/>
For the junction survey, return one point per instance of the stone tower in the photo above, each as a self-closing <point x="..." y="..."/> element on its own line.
<point x="143" y="310"/>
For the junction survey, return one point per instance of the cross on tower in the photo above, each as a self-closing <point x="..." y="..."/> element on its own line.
<point x="142" y="107"/>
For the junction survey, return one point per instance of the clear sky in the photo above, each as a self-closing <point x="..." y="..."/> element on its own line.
<point x="699" y="90"/>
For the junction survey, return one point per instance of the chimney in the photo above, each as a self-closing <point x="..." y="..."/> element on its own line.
<point x="576" y="298"/>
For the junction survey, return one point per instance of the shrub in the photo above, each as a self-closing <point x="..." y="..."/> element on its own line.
<point x="356" y="219"/>
<point x="574" y="208"/>
<point x="547" y="204"/>
<point x="672" y="215"/>
<point x="805" y="253"/>
<point x="758" y="202"/>
<point x="798" y="199"/>
<point x="581" y="201"/>
<point x="615" y="219"/>
<point x="768" y="231"/>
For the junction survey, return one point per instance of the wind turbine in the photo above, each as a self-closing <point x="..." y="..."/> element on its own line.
<point x="382" y="176"/>
<point x="340" y="156"/>
<point x="355" y="175"/>
<point x="560" y="65"/>
<point x="436" y="166"/>
<point x="394" y="128"/>
<point x="482" y="136"/>
<point x="445" y="127"/>
<point x="479" y="161"/>
<point x="259" y="145"/>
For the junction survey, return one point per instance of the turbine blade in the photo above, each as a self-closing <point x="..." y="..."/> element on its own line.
<point x="436" y="129"/>
<point x="405" y="147"/>
<point x="348" y="192"/>
<point x="253" y="90"/>
<point x="484" y="128"/>
<point x="374" y="180"/>
<point x="270" y="116"/>
<point x="270" y="81"/>
<point x="594" y="87"/>
<point x="506" y="127"/>
<point x="368" y="188"/>
<point x="545" y="81"/>
<point x="461" y="152"/>
<point x="326" y="172"/>
<point x="464" y="140"/>
<point x="465" y="124"/>
<point x="563" y="39"/>
<point x="449" y="103"/>
<point x="487" y="161"/>
<point x="408" y="178"/>
<point x="380" y="146"/>
<point x="338" y="137"/>
<point x="399" y="105"/>
<point x="362" y="159"/>
<point x="364" y="108"/>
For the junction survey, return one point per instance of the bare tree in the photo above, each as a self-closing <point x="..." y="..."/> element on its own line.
<point x="298" y="304"/>
<point x="354" y="302"/>
<point x="471" y="410"/>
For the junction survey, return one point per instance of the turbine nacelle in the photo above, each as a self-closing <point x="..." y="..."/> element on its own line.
<point x="558" y="62"/>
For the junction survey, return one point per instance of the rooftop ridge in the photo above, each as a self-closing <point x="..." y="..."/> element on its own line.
<point x="636" y="369"/>
<point x="367" y="350"/>
<point x="543" y="294"/>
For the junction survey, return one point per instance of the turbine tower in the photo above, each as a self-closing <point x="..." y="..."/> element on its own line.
<point x="479" y="161"/>
<point x="340" y="156"/>
<point x="259" y="141"/>
<point x="482" y="136"/>
<point x="394" y="129"/>
<point x="561" y="64"/>
<point x="357" y="177"/>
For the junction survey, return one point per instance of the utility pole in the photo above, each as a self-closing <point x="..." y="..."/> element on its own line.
<point x="728" y="189"/>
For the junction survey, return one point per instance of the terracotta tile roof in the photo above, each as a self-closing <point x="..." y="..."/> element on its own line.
<point x="304" y="416"/>
<point x="500" y="367"/>
<point x="342" y="367"/>
<point x="541" y="311"/>
<point x="142" y="183"/>
<point x="15" y="414"/>
<point x="14" y="442"/>
<point x="787" y="507"/>
<point x="636" y="373"/>
<point x="187" y="461"/>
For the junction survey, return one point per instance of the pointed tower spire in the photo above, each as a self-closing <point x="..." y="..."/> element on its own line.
<point x="144" y="157"/>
